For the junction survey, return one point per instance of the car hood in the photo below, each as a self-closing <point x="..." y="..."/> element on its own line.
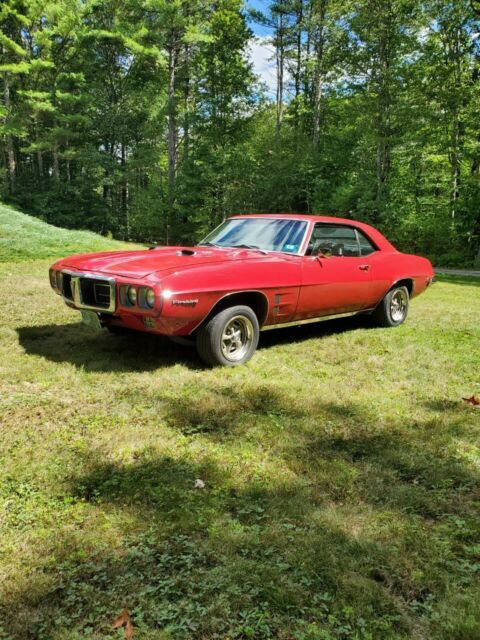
<point x="138" y="264"/>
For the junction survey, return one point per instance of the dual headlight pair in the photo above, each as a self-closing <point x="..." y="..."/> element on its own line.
<point x="55" y="278"/>
<point x="142" y="296"/>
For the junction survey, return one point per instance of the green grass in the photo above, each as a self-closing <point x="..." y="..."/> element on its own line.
<point x="341" y="472"/>
<point x="23" y="237"/>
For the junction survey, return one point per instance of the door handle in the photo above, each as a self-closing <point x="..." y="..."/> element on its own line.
<point x="364" y="267"/>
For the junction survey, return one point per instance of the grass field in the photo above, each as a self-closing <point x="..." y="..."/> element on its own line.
<point x="341" y="472"/>
<point x="23" y="237"/>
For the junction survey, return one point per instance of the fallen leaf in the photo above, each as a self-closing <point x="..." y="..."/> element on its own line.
<point x="128" y="630"/>
<point x="472" y="400"/>
<point x="124" y="620"/>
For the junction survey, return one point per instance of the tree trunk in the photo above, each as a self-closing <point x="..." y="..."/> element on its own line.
<point x="172" y="131"/>
<point x="186" y="99"/>
<point x="280" y="59"/>
<point x="124" y="195"/>
<point x="383" y="164"/>
<point x="39" y="155"/>
<point x="56" y="163"/>
<point x="308" y="47"/>
<point x="298" y="69"/>
<point x="10" y="149"/>
<point x="318" y="77"/>
<point x="455" y="162"/>
<point x="317" y="110"/>
<point x="457" y="126"/>
<point x="40" y="169"/>
<point x="67" y="166"/>
<point x="383" y="107"/>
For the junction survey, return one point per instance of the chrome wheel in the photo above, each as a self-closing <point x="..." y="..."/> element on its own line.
<point x="229" y="338"/>
<point x="237" y="338"/>
<point x="398" y="305"/>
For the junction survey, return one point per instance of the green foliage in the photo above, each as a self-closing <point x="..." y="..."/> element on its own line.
<point x="145" y="115"/>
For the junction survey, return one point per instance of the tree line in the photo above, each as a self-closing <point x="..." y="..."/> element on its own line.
<point x="143" y="119"/>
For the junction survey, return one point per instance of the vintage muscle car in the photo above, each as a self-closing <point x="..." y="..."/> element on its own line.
<point x="254" y="272"/>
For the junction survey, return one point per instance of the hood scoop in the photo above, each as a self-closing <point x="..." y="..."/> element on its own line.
<point x="186" y="252"/>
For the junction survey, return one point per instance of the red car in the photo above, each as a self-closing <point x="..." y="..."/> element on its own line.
<point x="254" y="272"/>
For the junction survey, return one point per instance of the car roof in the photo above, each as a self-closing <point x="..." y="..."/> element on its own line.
<point x="371" y="232"/>
<point x="298" y="216"/>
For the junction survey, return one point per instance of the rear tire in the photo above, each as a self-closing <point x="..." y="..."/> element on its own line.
<point x="229" y="338"/>
<point x="393" y="309"/>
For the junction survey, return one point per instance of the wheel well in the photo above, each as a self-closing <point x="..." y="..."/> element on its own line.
<point x="253" y="299"/>
<point x="406" y="282"/>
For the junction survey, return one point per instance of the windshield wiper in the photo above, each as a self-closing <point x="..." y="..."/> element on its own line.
<point x="233" y="246"/>
<point x="248" y="246"/>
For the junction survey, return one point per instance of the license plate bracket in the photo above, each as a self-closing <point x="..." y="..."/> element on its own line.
<point x="91" y="319"/>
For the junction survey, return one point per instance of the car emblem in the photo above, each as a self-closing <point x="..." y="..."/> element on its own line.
<point x="185" y="303"/>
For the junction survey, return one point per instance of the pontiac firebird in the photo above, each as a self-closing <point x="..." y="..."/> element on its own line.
<point x="252" y="273"/>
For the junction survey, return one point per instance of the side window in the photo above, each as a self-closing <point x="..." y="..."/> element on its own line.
<point x="366" y="247"/>
<point x="333" y="240"/>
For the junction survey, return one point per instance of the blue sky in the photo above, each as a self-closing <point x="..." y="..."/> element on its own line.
<point x="260" y="51"/>
<point x="260" y="5"/>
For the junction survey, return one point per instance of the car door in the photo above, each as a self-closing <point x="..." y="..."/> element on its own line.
<point x="336" y="272"/>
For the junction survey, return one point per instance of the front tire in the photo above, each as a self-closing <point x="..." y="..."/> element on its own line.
<point x="393" y="309"/>
<point x="229" y="338"/>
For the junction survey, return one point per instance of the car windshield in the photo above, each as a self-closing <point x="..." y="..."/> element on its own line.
<point x="266" y="234"/>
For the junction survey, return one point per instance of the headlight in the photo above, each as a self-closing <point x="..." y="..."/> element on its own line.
<point x="150" y="297"/>
<point x="132" y="295"/>
<point x="53" y="278"/>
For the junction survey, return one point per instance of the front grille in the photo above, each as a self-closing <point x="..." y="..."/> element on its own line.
<point x="67" y="286"/>
<point x="101" y="293"/>
<point x="95" y="293"/>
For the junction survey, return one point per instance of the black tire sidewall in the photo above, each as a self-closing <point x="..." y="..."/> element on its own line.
<point x="384" y="314"/>
<point x="209" y="336"/>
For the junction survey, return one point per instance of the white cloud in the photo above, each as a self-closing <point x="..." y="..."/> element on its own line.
<point x="261" y="53"/>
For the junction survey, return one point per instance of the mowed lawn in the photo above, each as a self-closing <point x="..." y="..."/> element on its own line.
<point x="341" y="472"/>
